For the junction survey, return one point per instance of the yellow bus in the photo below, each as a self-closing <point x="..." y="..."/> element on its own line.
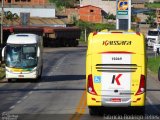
<point x="116" y="70"/>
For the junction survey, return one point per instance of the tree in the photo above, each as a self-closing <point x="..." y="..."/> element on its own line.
<point x="63" y="3"/>
<point x="110" y="16"/>
<point x="150" y="20"/>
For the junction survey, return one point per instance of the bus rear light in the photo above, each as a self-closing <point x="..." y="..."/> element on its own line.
<point x="90" y="85"/>
<point x="95" y="33"/>
<point x="141" y="88"/>
<point x="138" y="33"/>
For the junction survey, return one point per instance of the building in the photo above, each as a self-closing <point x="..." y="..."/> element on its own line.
<point x="109" y="6"/>
<point x="158" y="16"/>
<point x="138" y="3"/>
<point x="90" y="13"/>
<point x="152" y="1"/>
<point x="24" y="2"/>
<point x="87" y="13"/>
<point x="36" y="8"/>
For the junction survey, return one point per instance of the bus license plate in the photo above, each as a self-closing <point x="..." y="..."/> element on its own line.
<point x="116" y="100"/>
<point x="20" y="76"/>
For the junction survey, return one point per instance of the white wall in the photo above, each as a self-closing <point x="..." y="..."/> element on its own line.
<point x="34" y="12"/>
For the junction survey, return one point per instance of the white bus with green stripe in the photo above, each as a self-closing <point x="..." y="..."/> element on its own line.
<point x="23" y="56"/>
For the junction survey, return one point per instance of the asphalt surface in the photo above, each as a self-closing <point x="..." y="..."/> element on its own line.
<point x="60" y="94"/>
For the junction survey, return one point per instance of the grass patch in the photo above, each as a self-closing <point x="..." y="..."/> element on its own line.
<point x="153" y="5"/>
<point x="153" y="64"/>
<point x="83" y="42"/>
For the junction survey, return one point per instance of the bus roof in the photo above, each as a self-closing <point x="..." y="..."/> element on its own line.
<point x="22" y="39"/>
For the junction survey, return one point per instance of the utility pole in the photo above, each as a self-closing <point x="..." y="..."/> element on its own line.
<point x="2" y="5"/>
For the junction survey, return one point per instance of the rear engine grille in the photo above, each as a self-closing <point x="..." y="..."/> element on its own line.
<point x="116" y="67"/>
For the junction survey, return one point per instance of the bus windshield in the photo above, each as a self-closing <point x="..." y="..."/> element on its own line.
<point x="153" y="33"/>
<point x="21" y="56"/>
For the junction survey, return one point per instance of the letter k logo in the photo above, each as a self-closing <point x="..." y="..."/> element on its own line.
<point x="116" y="78"/>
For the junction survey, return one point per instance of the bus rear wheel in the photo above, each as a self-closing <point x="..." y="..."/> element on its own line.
<point x="11" y="80"/>
<point x="40" y="75"/>
<point x="95" y="111"/>
<point x="139" y="110"/>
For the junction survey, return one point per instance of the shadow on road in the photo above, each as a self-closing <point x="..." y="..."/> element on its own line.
<point x="62" y="78"/>
<point x="54" y="78"/>
<point x="153" y="90"/>
<point x="127" y="114"/>
<point x="41" y="90"/>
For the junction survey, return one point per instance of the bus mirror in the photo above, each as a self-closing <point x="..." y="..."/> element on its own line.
<point x="3" y="52"/>
<point x="38" y="52"/>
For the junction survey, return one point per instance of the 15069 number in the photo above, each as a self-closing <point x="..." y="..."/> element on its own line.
<point x="116" y="58"/>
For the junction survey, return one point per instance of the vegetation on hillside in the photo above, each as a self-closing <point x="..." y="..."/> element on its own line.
<point x="151" y="17"/>
<point x="153" y="5"/>
<point x="63" y="3"/>
<point x="92" y="27"/>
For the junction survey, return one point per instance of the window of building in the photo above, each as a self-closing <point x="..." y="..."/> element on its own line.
<point x="91" y="11"/>
<point x="9" y="1"/>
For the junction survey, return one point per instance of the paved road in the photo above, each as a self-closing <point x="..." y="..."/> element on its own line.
<point x="61" y="92"/>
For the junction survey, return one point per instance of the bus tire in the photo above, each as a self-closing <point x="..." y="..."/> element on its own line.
<point x="40" y="75"/>
<point x="92" y="111"/>
<point x="95" y="111"/>
<point x="159" y="74"/>
<point x="141" y="110"/>
<point x="9" y="80"/>
<point x="34" y="80"/>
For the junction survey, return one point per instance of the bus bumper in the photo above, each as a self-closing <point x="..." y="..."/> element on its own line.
<point x="31" y="75"/>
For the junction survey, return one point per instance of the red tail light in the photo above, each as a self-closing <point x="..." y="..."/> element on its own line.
<point x="95" y="33"/>
<point x="138" y="33"/>
<point x="90" y="86"/>
<point x="141" y="88"/>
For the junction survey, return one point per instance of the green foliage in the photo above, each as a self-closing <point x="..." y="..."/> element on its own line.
<point x="150" y="20"/>
<point x="153" y="64"/>
<point x="94" y="26"/>
<point x="10" y="16"/>
<point x="151" y="13"/>
<point x="110" y="16"/>
<point x="133" y="18"/>
<point x="91" y="27"/>
<point x="63" y="3"/>
<point x="153" y="5"/>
